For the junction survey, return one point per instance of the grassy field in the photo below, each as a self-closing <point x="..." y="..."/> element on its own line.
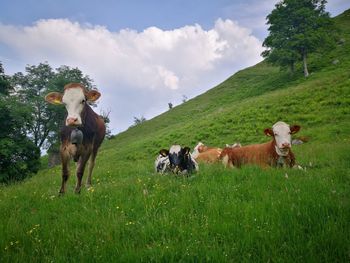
<point x="132" y="214"/>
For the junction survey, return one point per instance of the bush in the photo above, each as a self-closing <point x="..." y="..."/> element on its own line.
<point x="19" y="157"/>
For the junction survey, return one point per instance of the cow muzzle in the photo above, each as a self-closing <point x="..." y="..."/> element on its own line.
<point x="285" y="145"/>
<point x="73" y="122"/>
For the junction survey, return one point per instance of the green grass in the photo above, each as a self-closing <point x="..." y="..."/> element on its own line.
<point x="217" y="215"/>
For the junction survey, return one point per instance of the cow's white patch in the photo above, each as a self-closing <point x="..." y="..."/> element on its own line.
<point x="225" y="160"/>
<point x="196" y="167"/>
<point x="195" y="152"/>
<point x="74" y="99"/>
<point x="162" y="164"/>
<point x="283" y="138"/>
<point x="175" y="149"/>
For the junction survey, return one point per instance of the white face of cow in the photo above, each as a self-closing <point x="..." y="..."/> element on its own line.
<point x="74" y="101"/>
<point x="282" y="134"/>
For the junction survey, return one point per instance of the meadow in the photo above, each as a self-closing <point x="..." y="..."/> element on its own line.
<point x="251" y="214"/>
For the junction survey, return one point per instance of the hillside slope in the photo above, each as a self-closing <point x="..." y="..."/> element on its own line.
<point x="132" y="214"/>
<point x="240" y="107"/>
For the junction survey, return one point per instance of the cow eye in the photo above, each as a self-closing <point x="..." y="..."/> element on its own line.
<point x="275" y="134"/>
<point x="83" y="101"/>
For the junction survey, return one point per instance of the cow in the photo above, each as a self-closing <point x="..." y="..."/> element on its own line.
<point x="179" y="160"/>
<point x="82" y="134"/>
<point x="162" y="163"/>
<point x="205" y="154"/>
<point x="276" y="153"/>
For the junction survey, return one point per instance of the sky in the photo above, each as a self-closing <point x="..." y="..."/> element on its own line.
<point x="141" y="54"/>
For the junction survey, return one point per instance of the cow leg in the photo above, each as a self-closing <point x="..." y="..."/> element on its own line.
<point x="227" y="162"/>
<point x="80" y="171"/>
<point x="65" y="170"/>
<point x="91" y="167"/>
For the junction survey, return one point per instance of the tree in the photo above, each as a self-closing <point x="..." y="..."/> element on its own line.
<point x="19" y="157"/>
<point x="296" y="29"/>
<point x="138" y="121"/>
<point x="5" y="86"/>
<point x="31" y="89"/>
<point x="105" y="116"/>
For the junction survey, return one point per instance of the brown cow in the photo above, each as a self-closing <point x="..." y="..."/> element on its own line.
<point x="274" y="153"/>
<point x="83" y="132"/>
<point x="206" y="154"/>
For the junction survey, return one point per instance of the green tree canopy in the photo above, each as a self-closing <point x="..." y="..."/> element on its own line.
<point x="5" y="86"/>
<point x="31" y="89"/>
<point x="296" y="29"/>
<point x="19" y="157"/>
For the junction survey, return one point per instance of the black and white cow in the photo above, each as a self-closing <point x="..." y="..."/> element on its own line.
<point x="177" y="160"/>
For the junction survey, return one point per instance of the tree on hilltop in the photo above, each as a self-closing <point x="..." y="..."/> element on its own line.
<point x="296" y="29"/>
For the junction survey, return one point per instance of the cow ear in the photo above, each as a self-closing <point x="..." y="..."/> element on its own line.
<point x="54" y="98"/>
<point x="294" y="129"/>
<point x="93" y="95"/>
<point x="268" y="132"/>
<point x="186" y="150"/>
<point x="164" y="152"/>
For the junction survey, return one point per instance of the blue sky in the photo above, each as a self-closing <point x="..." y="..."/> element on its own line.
<point x="141" y="54"/>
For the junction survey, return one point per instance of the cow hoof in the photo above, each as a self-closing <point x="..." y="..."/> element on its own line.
<point x="88" y="185"/>
<point x="60" y="193"/>
<point x="77" y="191"/>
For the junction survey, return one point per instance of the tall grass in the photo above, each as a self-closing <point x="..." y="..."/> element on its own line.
<point x="131" y="214"/>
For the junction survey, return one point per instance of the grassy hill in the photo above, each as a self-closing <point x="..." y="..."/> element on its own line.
<point x="218" y="215"/>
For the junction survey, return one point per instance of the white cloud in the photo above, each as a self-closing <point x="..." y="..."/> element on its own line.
<point x="138" y="72"/>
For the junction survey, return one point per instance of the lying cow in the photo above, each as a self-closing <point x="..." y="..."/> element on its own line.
<point x="83" y="132"/>
<point x="275" y="153"/>
<point x="177" y="160"/>
<point x="205" y="154"/>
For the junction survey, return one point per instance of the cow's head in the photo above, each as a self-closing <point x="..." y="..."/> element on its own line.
<point x="162" y="163"/>
<point x="74" y="99"/>
<point x="180" y="159"/>
<point x="282" y="132"/>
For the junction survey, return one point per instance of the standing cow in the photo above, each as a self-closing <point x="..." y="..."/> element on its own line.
<point x="83" y="132"/>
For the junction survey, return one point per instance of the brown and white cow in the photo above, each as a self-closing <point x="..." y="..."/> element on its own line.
<point x="83" y="132"/>
<point x="275" y="153"/>
<point x="205" y="154"/>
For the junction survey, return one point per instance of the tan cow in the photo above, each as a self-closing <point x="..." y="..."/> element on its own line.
<point x="206" y="154"/>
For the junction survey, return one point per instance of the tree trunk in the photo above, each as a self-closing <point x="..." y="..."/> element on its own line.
<point x="306" y="72"/>
<point x="292" y="68"/>
<point x="54" y="159"/>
